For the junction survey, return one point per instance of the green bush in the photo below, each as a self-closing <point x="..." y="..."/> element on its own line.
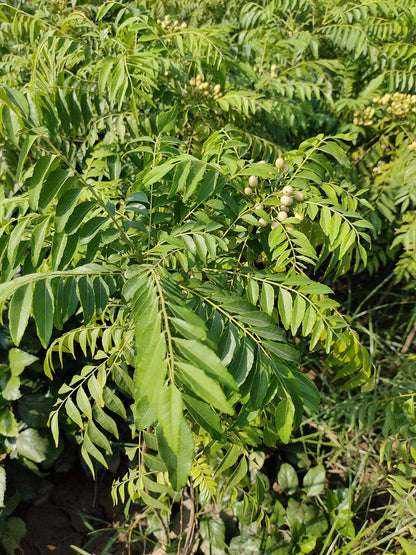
<point x="178" y="206"/>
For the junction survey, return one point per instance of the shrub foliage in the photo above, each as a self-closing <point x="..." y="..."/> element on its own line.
<point x="146" y="163"/>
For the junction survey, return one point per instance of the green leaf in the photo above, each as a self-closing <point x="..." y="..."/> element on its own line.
<point x="78" y="216"/>
<point x="105" y="421"/>
<point x="31" y="445"/>
<point x="267" y="298"/>
<point x="19" y="312"/>
<point x="179" y="466"/>
<point x="332" y="148"/>
<point x="83" y="403"/>
<point x="18" y="360"/>
<point x="204" y="416"/>
<point x="204" y="387"/>
<point x="314" y="481"/>
<point x="239" y="474"/>
<point x="87" y="298"/>
<point x="408" y="547"/>
<point x="63" y="208"/>
<point x="39" y="234"/>
<point x="151" y="501"/>
<point x="151" y="364"/>
<point x="73" y="412"/>
<point x="97" y="437"/>
<point x="287" y="478"/>
<point x="15" y="239"/>
<point x="43" y="308"/>
<point x="54" y="426"/>
<point x="43" y="166"/>
<point x="92" y="450"/>
<point x="285" y="305"/>
<point x="14" y="99"/>
<point x="169" y="412"/>
<point x="228" y="460"/>
<point x="284" y="415"/>
<point x="298" y="313"/>
<point x="95" y="390"/>
<point x="10" y="387"/>
<point x="204" y="358"/>
<point x="242" y="362"/>
<point x="113" y="403"/>
<point x="51" y="187"/>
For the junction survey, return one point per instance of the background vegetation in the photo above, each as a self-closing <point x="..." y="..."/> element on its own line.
<point x="208" y="260"/>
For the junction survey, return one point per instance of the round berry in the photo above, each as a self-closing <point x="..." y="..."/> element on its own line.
<point x="286" y="200"/>
<point x="288" y="190"/>
<point x="282" y="216"/>
<point x="300" y="217"/>
<point x="290" y="227"/>
<point x="253" y="181"/>
<point x="248" y="190"/>
<point x="262" y="222"/>
<point x="299" y="196"/>
<point x="279" y="163"/>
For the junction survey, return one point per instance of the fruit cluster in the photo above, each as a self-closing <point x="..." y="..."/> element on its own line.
<point x="173" y="26"/>
<point x="397" y="104"/>
<point x="281" y="213"/>
<point x="364" y="117"/>
<point x="197" y="87"/>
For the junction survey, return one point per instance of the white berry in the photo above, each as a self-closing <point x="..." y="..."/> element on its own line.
<point x="286" y="200"/>
<point x="288" y="190"/>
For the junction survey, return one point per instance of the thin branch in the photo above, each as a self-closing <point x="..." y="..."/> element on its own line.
<point x="409" y="340"/>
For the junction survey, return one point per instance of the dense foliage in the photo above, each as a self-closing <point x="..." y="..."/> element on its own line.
<point x="185" y="191"/>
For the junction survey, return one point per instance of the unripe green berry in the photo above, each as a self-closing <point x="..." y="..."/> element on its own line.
<point x="283" y="209"/>
<point x="279" y="163"/>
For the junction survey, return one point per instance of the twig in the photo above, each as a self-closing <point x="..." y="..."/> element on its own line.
<point x="180" y="525"/>
<point x="191" y="525"/>
<point x="165" y="532"/>
<point x="409" y="340"/>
